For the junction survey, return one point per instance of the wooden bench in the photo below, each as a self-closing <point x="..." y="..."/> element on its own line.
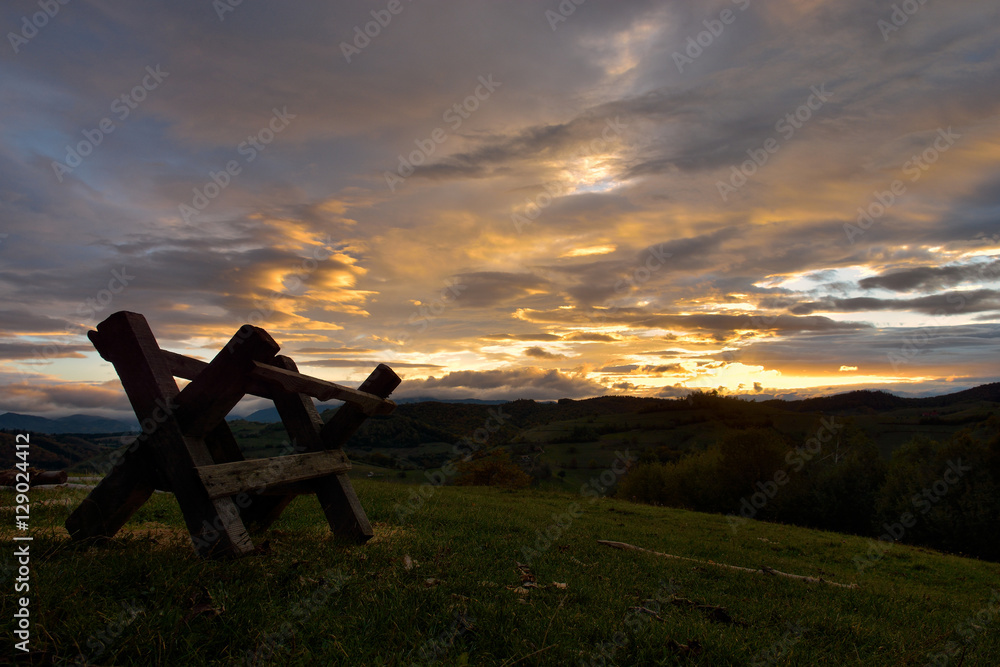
<point x="187" y="448"/>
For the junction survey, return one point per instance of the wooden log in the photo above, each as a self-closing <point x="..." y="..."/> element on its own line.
<point x="302" y="423"/>
<point x="216" y="530"/>
<point x="296" y="383"/>
<point x="188" y="368"/>
<point x="381" y="382"/>
<point x="206" y="401"/>
<point x="762" y="570"/>
<point x="227" y="479"/>
<point x="336" y="494"/>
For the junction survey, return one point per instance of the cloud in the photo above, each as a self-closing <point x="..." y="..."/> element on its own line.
<point x="523" y="382"/>
<point x="539" y="353"/>
<point x="483" y="289"/>
<point x="38" y="352"/>
<point x="23" y="321"/>
<point x="590" y="337"/>
<point x="524" y="337"/>
<point x="365" y="363"/>
<point x="951" y="303"/>
<point x="438" y="258"/>
<point x="66" y="396"/>
<point x="934" y="277"/>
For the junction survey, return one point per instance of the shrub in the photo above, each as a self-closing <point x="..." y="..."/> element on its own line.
<point x="493" y="468"/>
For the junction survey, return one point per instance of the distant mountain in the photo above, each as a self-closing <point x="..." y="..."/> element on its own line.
<point x="880" y="401"/>
<point x="465" y="401"/>
<point x="72" y="424"/>
<point x="270" y="415"/>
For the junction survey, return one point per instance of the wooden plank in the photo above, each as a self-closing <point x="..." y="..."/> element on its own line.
<point x="302" y="423"/>
<point x="125" y="339"/>
<point x="188" y="368"/>
<point x="206" y="401"/>
<point x="296" y="383"/>
<point x="227" y="479"/>
<point x="115" y="498"/>
<point x="381" y="382"/>
<point x="222" y="444"/>
<point x="335" y="493"/>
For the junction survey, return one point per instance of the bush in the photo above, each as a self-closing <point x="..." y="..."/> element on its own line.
<point x="493" y="468"/>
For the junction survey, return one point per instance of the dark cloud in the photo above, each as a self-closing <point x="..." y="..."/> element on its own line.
<point x="934" y="277"/>
<point x="523" y="337"/>
<point x="483" y="289"/>
<point x="539" y="353"/>
<point x="525" y="382"/>
<point x="41" y="351"/>
<point x="364" y="363"/>
<point x="951" y="303"/>
<point x="43" y="396"/>
<point x="586" y="336"/>
<point x="23" y="321"/>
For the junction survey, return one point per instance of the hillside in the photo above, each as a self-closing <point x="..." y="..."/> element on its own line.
<point x="571" y="436"/>
<point x="880" y="401"/>
<point x="71" y="424"/>
<point x="487" y="577"/>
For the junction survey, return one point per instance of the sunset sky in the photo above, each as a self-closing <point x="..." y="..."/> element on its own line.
<point x="506" y="200"/>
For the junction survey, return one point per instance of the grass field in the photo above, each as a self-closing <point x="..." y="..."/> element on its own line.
<point x="443" y="585"/>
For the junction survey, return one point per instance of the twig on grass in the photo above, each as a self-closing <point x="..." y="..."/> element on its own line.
<point x="763" y="570"/>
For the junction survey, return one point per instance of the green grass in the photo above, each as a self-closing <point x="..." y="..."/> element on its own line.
<point x="465" y="544"/>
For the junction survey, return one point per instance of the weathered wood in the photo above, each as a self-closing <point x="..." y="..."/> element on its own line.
<point x="343" y="510"/>
<point x="302" y="423"/>
<point x="227" y="479"/>
<point x="115" y="498"/>
<point x="187" y="447"/>
<point x="381" y="382"/>
<point x="188" y="368"/>
<point x="297" y="383"/>
<point x="126" y="341"/>
<point x="219" y="387"/>
<point x="336" y="494"/>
